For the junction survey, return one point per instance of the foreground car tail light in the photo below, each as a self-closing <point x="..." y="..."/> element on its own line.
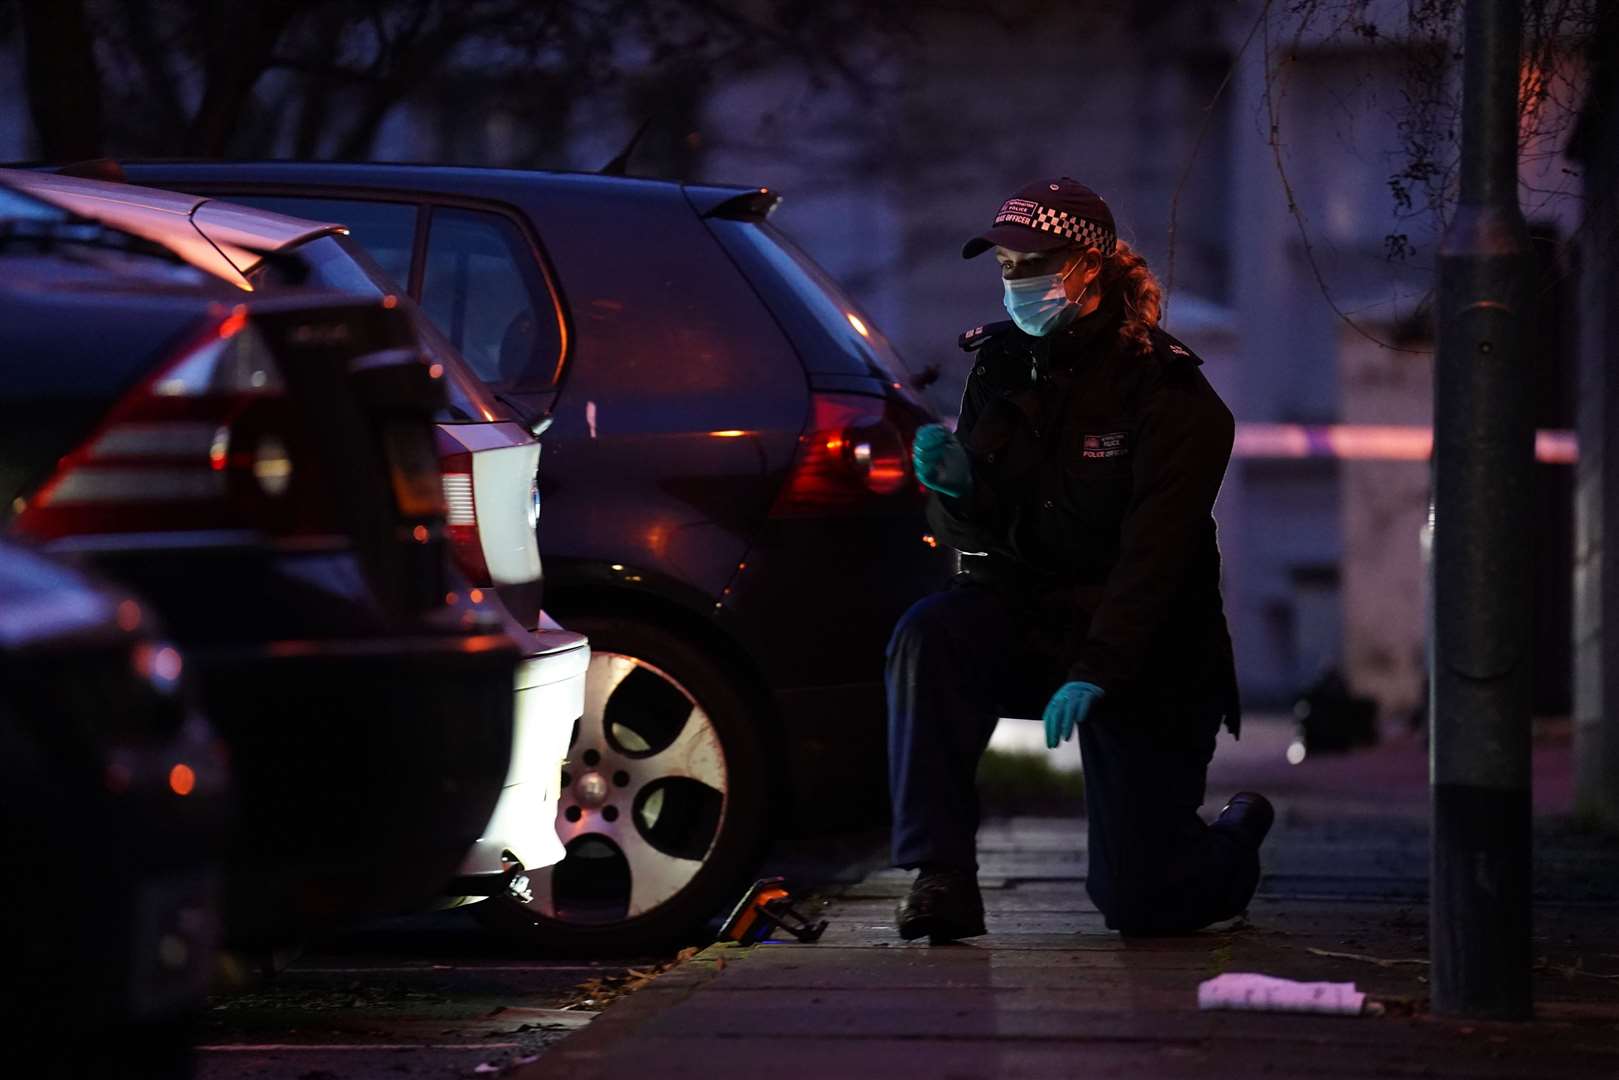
<point x="855" y="449"/>
<point x="461" y="518"/>
<point x="206" y="443"/>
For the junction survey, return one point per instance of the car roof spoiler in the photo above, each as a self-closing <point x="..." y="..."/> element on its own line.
<point x="732" y="204"/>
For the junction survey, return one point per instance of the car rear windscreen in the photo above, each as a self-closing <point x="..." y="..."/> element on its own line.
<point x="832" y="334"/>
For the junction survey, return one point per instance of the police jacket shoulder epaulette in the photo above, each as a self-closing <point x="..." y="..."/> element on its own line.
<point x="1002" y="355"/>
<point x="1171" y="352"/>
<point x="981" y="335"/>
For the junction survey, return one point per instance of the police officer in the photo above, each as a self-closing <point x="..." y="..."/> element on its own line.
<point x="1078" y="489"/>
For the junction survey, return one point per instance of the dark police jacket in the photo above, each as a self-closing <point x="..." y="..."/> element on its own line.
<point x="1095" y="470"/>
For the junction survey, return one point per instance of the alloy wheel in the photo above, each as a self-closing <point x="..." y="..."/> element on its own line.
<point x="644" y="797"/>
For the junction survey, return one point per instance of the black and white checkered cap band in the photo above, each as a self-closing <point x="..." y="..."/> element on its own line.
<point x="1049" y="219"/>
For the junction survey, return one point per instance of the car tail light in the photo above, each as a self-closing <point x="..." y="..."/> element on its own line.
<point x="856" y="449"/>
<point x="461" y="517"/>
<point x="206" y="443"/>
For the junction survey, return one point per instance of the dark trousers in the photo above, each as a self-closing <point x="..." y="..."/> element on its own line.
<point x="958" y="661"/>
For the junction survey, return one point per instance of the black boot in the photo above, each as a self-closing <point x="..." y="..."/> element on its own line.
<point x="1249" y="815"/>
<point x="944" y="905"/>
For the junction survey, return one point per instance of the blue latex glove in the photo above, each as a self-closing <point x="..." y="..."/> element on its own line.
<point x="941" y="461"/>
<point x="1068" y="708"/>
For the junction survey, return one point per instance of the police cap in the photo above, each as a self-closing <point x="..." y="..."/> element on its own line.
<point x="1046" y="215"/>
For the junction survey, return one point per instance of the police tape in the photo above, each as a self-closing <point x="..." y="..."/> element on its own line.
<point x="1372" y="442"/>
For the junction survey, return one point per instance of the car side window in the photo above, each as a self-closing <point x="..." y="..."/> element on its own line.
<point x="483" y="289"/>
<point x="386" y="230"/>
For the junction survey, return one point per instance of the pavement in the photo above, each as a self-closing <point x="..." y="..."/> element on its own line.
<point x="426" y="996"/>
<point x="1049" y="992"/>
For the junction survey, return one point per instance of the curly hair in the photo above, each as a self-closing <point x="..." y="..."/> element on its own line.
<point x="1126" y="274"/>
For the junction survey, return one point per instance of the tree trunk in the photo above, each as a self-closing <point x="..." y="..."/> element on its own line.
<point x="240" y="47"/>
<point x="64" y="86"/>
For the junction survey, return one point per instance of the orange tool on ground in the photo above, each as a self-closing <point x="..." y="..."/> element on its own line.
<point x="766" y="908"/>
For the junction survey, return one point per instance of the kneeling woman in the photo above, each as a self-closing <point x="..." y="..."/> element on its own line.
<point x="1078" y="488"/>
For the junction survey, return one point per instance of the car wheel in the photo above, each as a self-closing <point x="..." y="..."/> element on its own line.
<point x="664" y="799"/>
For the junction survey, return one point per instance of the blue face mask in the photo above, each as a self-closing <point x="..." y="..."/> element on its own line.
<point x="1040" y="304"/>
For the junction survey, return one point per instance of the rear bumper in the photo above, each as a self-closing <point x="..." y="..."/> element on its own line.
<point x="845" y="580"/>
<point x="550" y="698"/>
<point x="364" y="771"/>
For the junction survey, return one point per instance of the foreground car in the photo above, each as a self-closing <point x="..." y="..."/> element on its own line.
<point x="489" y="464"/>
<point x="261" y="468"/>
<point x="730" y="514"/>
<point x="105" y="770"/>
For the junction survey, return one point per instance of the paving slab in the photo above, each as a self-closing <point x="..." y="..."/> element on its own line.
<point x="1049" y="992"/>
<point x="1169" y="1056"/>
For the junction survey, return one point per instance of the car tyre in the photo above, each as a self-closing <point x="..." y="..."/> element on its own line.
<point x="664" y="799"/>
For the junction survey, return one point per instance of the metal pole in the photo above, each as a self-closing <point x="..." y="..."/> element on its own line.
<point x="1479" y="918"/>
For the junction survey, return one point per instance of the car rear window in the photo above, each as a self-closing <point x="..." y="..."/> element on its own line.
<point x="15" y="206"/>
<point x="831" y="333"/>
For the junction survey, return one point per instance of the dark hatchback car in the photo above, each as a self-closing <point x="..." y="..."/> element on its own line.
<point x="729" y="511"/>
<point x="114" y="810"/>
<point x="260" y="467"/>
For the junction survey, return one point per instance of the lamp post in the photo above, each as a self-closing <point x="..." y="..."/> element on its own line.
<point x="1479" y="920"/>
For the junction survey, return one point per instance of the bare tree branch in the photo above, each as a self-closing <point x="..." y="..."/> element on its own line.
<point x="241" y="40"/>
<point x="320" y="76"/>
<point x="1275" y="89"/>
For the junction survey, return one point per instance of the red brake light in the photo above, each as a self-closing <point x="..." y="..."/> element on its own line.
<point x="855" y="447"/>
<point x="202" y="444"/>
<point x="461" y="516"/>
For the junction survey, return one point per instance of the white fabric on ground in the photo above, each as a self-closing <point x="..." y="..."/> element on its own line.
<point x="1265" y="993"/>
